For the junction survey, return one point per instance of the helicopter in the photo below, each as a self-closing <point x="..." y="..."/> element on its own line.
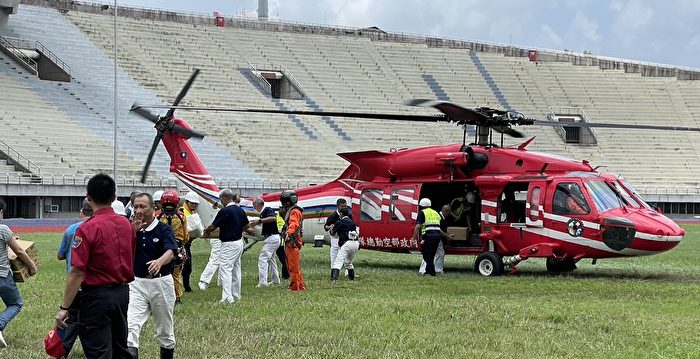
<point x="522" y="204"/>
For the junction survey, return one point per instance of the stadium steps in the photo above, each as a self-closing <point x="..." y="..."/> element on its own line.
<point x="89" y="99"/>
<point x="490" y="81"/>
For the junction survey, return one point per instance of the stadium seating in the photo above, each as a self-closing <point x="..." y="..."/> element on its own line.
<point x="345" y="73"/>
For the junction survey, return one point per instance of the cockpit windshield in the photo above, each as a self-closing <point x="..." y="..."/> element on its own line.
<point x="636" y="195"/>
<point x="604" y="197"/>
<point x="628" y="198"/>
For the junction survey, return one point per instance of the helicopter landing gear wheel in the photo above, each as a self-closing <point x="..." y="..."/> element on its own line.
<point x="560" y="265"/>
<point x="489" y="264"/>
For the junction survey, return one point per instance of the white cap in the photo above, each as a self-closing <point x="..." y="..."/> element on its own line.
<point x="192" y="197"/>
<point x="157" y="194"/>
<point x="425" y="202"/>
<point x="118" y="207"/>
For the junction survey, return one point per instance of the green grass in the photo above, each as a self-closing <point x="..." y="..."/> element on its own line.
<point x="643" y="307"/>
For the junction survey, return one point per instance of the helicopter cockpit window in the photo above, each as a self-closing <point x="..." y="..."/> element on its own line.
<point x="636" y="195"/>
<point x="569" y="200"/>
<point x="371" y="205"/>
<point x="628" y="198"/>
<point x="604" y="197"/>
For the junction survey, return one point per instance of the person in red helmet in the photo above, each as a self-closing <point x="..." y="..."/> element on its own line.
<point x="292" y="232"/>
<point x="171" y="215"/>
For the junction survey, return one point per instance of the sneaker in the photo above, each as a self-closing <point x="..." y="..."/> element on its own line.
<point x="178" y="301"/>
<point x="261" y="285"/>
<point x="203" y="286"/>
<point x="3" y="344"/>
<point x="226" y="301"/>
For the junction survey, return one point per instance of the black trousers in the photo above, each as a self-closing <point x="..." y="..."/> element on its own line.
<point x="429" y="249"/>
<point x="187" y="268"/>
<point x="283" y="259"/>
<point x="70" y="334"/>
<point x="102" y="317"/>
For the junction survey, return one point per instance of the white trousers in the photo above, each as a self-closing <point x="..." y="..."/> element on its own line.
<point x="266" y="260"/>
<point x="152" y="297"/>
<point x="213" y="263"/>
<point x="334" y="248"/>
<point x="346" y="254"/>
<point x="439" y="260"/>
<point x="230" y="270"/>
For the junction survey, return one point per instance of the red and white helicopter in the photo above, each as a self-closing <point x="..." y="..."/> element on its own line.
<point x="524" y="204"/>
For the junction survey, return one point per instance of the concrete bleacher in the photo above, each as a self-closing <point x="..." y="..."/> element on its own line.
<point x="352" y="74"/>
<point x="89" y="99"/>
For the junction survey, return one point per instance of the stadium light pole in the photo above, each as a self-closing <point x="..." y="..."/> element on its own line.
<point x="116" y="95"/>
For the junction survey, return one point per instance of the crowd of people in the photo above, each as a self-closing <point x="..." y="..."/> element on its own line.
<point x="127" y="264"/>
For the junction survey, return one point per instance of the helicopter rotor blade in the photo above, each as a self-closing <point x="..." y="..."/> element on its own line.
<point x="187" y="132"/>
<point x="368" y="115"/>
<point x="457" y="113"/>
<point x="182" y="93"/>
<point x="144" y="113"/>
<point x="616" y="125"/>
<point x="156" y="141"/>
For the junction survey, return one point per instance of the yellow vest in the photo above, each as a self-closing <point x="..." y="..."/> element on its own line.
<point x="280" y="222"/>
<point x="432" y="221"/>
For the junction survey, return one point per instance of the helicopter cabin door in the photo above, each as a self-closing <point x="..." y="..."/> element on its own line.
<point x="512" y="205"/>
<point x="386" y="216"/>
<point x="534" y="207"/>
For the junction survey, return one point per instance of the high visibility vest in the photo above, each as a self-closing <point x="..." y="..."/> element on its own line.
<point x="459" y="211"/>
<point x="432" y="221"/>
<point x="280" y="223"/>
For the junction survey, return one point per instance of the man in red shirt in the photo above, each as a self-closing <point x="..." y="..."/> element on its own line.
<point x="101" y="265"/>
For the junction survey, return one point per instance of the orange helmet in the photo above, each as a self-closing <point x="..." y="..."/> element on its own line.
<point x="170" y="198"/>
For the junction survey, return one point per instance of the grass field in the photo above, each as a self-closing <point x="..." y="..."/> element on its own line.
<point x="625" y="308"/>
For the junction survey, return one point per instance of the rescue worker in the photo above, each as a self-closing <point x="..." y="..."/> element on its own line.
<point x="348" y="241"/>
<point x="231" y="221"/>
<point x="445" y="220"/>
<point x="572" y="204"/>
<point x="153" y="290"/>
<point x="156" y="199"/>
<point x="102" y="263"/>
<point x="280" y="250"/>
<point x="292" y="233"/>
<point x="427" y="231"/>
<point x="195" y="229"/>
<point x="330" y="222"/>
<point x="170" y="215"/>
<point x="266" y="259"/>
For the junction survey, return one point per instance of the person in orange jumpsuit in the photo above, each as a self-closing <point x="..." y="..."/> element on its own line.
<point x="292" y="232"/>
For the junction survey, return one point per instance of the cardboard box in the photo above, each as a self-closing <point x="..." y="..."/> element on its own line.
<point x="461" y="233"/>
<point x="20" y="270"/>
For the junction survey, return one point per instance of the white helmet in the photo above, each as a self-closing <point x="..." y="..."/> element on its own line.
<point x="118" y="207"/>
<point x="425" y="202"/>
<point x="192" y="197"/>
<point x="157" y="194"/>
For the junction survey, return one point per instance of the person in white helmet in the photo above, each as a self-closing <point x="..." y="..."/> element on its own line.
<point x="156" y="199"/>
<point x="428" y="233"/>
<point x="195" y="230"/>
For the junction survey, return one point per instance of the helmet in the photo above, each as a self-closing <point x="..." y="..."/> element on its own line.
<point x="118" y="207"/>
<point x="192" y="197"/>
<point x="170" y="198"/>
<point x="425" y="202"/>
<point x="288" y="197"/>
<point x="157" y="194"/>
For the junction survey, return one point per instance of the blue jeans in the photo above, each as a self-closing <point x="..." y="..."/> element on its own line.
<point x="10" y="296"/>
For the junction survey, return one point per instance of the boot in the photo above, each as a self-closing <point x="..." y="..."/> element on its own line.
<point x="134" y="352"/>
<point x="167" y="353"/>
<point x="334" y="274"/>
<point x="351" y="274"/>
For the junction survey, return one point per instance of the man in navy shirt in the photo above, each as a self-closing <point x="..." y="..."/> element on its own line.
<point x="231" y="221"/>
<point x="347" y="233"/>
<point x="330" y="222"/>
<point x="153" y="290"/>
